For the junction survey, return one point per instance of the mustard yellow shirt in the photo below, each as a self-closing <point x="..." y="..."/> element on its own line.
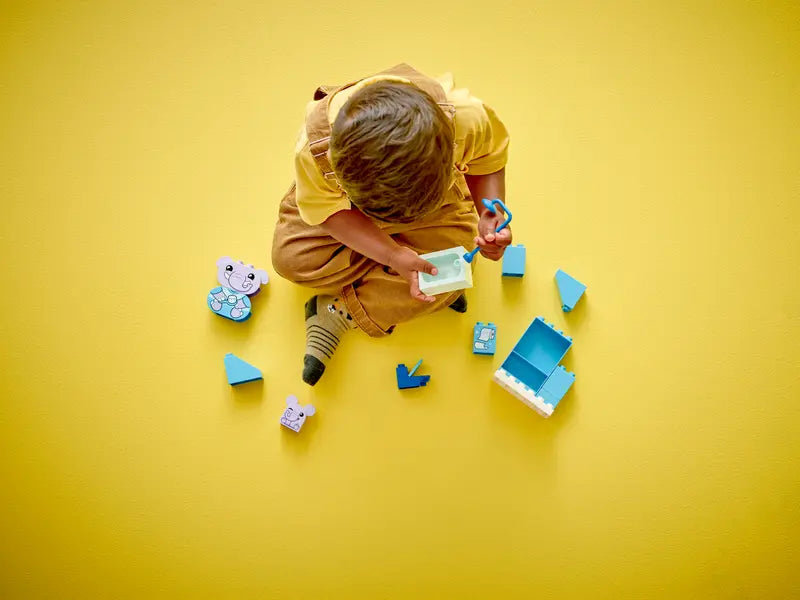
<point x="481" y="148"/>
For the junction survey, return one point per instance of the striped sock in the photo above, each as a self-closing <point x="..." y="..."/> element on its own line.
<point x="326" y="322"/>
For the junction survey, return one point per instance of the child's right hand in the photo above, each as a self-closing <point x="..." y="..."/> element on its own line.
<point x="408" y="264"/>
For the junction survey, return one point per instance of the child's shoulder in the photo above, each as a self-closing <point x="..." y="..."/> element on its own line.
<point x="467" y="106"/>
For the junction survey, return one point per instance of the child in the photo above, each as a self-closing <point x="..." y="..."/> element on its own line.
<point x="387" y="168"/>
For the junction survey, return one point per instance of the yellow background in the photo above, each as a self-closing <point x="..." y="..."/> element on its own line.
<point x="655" y="156"/>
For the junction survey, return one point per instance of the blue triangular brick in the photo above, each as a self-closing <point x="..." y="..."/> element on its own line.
<point x="239" y="371"/>
<point x="570" y="290"/>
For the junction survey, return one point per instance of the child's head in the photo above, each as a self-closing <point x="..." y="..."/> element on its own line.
<point x="392" y="151"/>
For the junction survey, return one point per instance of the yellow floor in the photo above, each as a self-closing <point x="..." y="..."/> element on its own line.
<point x="655" y="156"/>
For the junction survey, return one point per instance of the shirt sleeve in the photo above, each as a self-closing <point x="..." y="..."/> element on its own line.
<point x="316" y="197"/>
<point x="481" y="137"/>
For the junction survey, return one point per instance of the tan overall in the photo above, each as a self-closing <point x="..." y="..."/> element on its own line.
<point x="375" y="296"/>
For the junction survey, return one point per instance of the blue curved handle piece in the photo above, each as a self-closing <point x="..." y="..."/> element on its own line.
<point x="469" y="256"/>
<point x="490" y="206"/>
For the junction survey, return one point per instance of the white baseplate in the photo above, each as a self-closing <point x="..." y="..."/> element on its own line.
<point x="525" y="394"/>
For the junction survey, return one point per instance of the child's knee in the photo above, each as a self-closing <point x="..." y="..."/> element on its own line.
<point x="286" y="263"/>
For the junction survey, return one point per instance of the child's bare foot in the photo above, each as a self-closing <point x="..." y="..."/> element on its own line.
<point x="326" y="321"/>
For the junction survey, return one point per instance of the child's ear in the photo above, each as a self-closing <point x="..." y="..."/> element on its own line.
<point x="262" y="276"/>
<point x="309" y="410"/>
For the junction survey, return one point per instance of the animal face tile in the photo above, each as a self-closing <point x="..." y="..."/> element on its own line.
<point x="230" y="300"/>
<point x="240" y="277"/>
<point x="296" y="414"/>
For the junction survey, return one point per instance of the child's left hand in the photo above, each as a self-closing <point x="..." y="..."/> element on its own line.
<point x="491" y="242"/>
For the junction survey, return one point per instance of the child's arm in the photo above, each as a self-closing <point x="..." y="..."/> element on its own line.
<point x="490" y="186"/>
<point x="356" y="231"/>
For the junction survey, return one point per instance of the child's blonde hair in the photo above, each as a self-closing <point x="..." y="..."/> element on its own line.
<point x="392" y="151"/>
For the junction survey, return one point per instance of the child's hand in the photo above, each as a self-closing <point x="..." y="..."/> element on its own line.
<point x="408" y="264"/>
<point x="492" y="243"/>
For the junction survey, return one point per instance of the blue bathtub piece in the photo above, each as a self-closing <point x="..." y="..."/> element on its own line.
<point x="532" y="372"/>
